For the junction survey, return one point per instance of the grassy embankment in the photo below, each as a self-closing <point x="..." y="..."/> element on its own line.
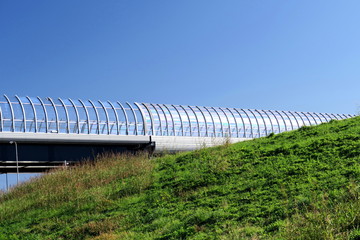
<point x="297" y="185"/>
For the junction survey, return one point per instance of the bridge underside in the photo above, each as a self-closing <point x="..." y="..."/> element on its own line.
<point x="39" y="152"/>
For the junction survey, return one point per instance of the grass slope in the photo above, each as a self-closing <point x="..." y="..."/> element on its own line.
<point x="296" y="185"/>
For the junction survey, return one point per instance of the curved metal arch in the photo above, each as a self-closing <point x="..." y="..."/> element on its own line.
<point x="56" y="115"/>
<point x="116" y="118"/>
<point x="167" y="125"/>
<point x="212" y="118"/>
<point x="257" y="122"/>
<point x="272" y="125"/>
<point x="172" y="118"/>
<point x="221" y="124"/>
<point x="242" y="120"/>
<point x="340" y="115"/>
<point x="304" y="114"/>
<point x="324" y="117"/>
<point x="161" y="129"/>
<point x="317" y="116"/>
<point x="77" y="115"/>
<point x="251" y="128"/>
<point x="236" y="123"/>
<point x="266" y="132"/>
<point x="107" y="117"/>
<point x="67" y="116"/>
<point x="282" y="119"/>
<point x="291" y="124"/>
<point x="297" y="122"/>
<point x="329" y="116"/>
<point x="136" y="121"/>
<point x="97" y="116"/>
<point x="277" y="120"/>
<point x="188" y="119"/>
<point x="151" y="119"/>
<point x="227" y="119"/>
<point x="333" y="116"/>
<point x="87" y="115"/>
<point x="206" y="125"/>
<point x="143" y="118"/>
<point x="12" y="114"/>
<point x="34" y="110"/>
<point x="23" y="112"/>
<point x="126" y="118"/>
<point x="197" y="120"/>
<point x="302" y="119"/>
<point x="46" y="115"/>
<point x="181" y="120"/>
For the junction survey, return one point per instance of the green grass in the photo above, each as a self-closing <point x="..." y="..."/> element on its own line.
<point x="296" y="185"/>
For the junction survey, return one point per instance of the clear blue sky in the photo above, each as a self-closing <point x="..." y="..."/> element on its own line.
<point x="284" y="55"/>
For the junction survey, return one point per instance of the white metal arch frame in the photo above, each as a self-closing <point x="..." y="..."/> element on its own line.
<point x="67" y="116"/>
<point x="206" y="124"/>
<point x="97" y="116"/>
<point x="251" y="128"/>
<point x="302" y="118"/>
<point x="87" y="115"/>
<point x="271" y="122"/>
<point x="190" y="125"/>
<point x="151" y="118"/>
<point x="116" y="118"/>
<point x="107" y="117"/>
<point x="56" y="115"/>
<point x="277" y="120"/>
<point x="212" y="119"/>
<point x="158" y="115"/>
<point x="135" y="118"/>
<point x="172" y="119"/>
<point x="34" y="110"/>
<point x="77" y="115"/>
<point x="297" y="122"/>
<point x="45" y="114"/>
<point x="23" y="112"/>
<point x="181" y="120"/>
<point x="307" y="117"/>
<point x="262" y="117"/>
<point x="166" y="119"/>
<point x="143" y="118"/>
<point x="227" y="119"/>
<point x="221" y="123"/>
<point x="236" y="123"/>
<point x="197" y="120"/>
<point x="126" y="118"/>
<point x="291" y="124"/>
<point x="12" y="114"/>
<point x="257" y="122"/>
<point x="279" y="114"/>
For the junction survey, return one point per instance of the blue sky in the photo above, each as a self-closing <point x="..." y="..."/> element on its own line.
<point x="283" y="55"/>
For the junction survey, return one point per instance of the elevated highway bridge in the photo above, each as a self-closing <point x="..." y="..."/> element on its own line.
<point x="40" y="134"/>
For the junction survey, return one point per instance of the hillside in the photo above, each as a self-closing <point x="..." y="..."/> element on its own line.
<point x="296" y="185"/>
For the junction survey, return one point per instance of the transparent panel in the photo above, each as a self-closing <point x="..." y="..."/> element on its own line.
<point x="177" y="120"/>
<point x="140" y="120"/>
<point x="193" y="121"/>
<point x="61" y="115"/>
<point x="232" y="122"/>
<point x="52" y="124"/>
<point x="165" y="120"/>
<point x="6" y="115"/>
<point x="112" y="118"/>
<point x="73" y="125"/>
<point x="201" y="121"/>
<point x="29" y="114"/>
